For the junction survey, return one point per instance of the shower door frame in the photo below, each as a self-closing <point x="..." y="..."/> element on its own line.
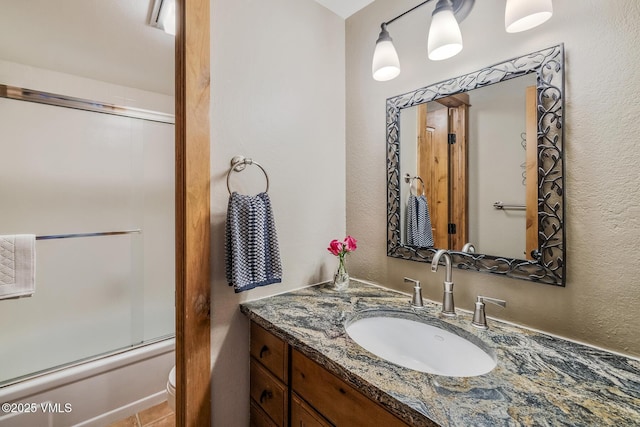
<point x="193" y="229"/>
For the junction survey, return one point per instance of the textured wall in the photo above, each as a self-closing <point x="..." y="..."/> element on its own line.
<point x="600" y="302"/>
<point x="277" y="96"/>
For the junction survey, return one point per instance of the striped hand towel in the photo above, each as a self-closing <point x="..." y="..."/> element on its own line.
<point x="251" y="245"/>
<point x="419" y="232"/>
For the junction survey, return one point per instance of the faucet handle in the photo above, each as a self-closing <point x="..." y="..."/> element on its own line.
<point x="416" y="301"/>
<point x="479" y="317"/>
<point x="495" y="301"/>
<point x="410" y="280"/>
<point x="469" y="248"/>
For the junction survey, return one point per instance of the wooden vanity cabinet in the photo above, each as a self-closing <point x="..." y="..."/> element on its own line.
<point x="289" y="389"/>
<point x="259" y="418"/>
<point x="337" y="401"/>
<point x="269" y="364"/>
<point x="303" y="415"/>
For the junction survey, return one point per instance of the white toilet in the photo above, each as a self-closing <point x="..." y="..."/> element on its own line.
<point x="171" y="389"/>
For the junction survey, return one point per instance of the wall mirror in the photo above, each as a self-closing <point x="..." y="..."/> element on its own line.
<point x="478" y="159"/>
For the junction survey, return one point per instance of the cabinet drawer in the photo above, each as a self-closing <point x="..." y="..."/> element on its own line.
<point x="259" y="418"/>
<point x="268" y="393"/>
<point x="302" y="415"/>
<point x="341" y="404"/>
<point x="270" y="350"/>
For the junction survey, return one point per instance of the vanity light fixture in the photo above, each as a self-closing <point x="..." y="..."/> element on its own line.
<point x="521" y="15"/>
<point x="386" y="65"/>
<point x="445" y="38"/>
<point x="163" y="16"/>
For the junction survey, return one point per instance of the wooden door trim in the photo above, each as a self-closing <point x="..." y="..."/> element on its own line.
<point x="192" y="239"/>
<point x="437" y="178"/>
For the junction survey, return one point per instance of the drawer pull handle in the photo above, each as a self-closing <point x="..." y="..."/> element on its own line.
<point x="266" y="394"/>
<point x="263" y="350"/>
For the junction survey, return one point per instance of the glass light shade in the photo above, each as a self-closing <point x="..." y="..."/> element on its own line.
<point x="386" y="65"/>
<point x="522" y="15"/>
<point x="445" y="39"/>
<point x="169" y="18"/>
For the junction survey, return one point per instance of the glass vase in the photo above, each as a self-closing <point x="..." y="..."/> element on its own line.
<point x="341" y="278"/>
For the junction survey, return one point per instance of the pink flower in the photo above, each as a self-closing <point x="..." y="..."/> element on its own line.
<point x="350" y="243"/>
<point x="341" y="248"/>
<point x="335" y="247"/>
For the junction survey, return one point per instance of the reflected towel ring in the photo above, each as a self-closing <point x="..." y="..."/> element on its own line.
<point x="238" y="163"/>
<point x="421" y="182"/>
<point x="409" y="179"/>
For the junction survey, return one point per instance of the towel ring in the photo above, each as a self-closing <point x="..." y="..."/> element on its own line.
<point x="421" y="182"/>
<point x="409" y="180"/>
<point x="238" y="163"/>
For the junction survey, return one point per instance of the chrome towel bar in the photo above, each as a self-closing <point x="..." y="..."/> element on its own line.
<point x="75" y="235"/>
<point x="502" y="206"/>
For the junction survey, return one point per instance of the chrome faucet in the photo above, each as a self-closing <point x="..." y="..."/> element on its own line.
<point x="448" y="307"/>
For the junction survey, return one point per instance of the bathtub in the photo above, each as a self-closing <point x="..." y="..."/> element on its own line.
<point x="91" y="393"/>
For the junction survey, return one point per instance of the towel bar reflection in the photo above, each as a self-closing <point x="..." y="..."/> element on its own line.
<point x="97" y="234"/>
<point x="505" y="207"/>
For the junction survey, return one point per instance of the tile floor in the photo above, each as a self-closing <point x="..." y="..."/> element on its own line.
<point x="156" y="416"/>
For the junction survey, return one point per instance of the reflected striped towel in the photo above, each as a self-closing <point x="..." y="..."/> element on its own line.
<point x="252" y="256"/>
<point x="17" y="265"/>
<point x="419" y="232"/>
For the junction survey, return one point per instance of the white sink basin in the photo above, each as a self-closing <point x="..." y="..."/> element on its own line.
<point x="402" y="338"/>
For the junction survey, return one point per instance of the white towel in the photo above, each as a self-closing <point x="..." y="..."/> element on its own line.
<point x="17" y="265"/>
<point x="419" y="231"/>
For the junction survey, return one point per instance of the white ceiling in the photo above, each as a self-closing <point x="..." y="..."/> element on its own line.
<point x="99" y="37"/>
<point x="107" y="40"/>
<point x="344" y="8"/>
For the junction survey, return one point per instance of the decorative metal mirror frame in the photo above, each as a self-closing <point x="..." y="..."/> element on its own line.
<point x="548" y="265"/>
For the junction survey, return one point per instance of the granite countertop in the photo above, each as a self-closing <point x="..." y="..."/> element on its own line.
<point x="539" y="380"/>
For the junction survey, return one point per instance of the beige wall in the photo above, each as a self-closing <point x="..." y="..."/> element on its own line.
<point x="277" y="96"/>
<point x="601" y="300"/>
